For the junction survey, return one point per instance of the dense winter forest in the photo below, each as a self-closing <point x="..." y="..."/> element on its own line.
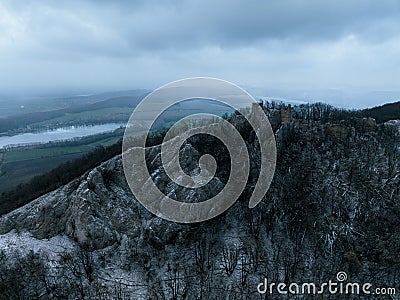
<point x="334" y="205"/>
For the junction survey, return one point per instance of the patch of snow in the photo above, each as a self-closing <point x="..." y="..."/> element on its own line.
<point x="24" y="243"/>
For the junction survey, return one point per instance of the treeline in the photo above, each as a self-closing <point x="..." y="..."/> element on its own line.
<point x="316" y="111"/>
<point x="326" y="112"/>
<point x="21" y="121"/>
<point x="42" y="184"/>
<point x="78" y="141"/>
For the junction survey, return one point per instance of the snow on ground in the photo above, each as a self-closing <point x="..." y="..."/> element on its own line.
<point x="24" y="243"/>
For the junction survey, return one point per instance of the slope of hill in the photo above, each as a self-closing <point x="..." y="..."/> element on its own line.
<point x="384" y="113"/>
<point x="333" y="206"/>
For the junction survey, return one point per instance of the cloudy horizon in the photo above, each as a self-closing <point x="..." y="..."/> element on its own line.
<point x="96" y="46"/>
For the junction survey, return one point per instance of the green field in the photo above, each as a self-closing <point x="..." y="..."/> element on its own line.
<point x="102" y="115"/>
<point x="37" y="153"/>
<point x="21" y="164"/>
<point x="18" y="172"/>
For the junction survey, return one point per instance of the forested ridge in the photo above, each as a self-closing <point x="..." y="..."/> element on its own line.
<point x="66" y="172"/>
<point x="333" y="206"/>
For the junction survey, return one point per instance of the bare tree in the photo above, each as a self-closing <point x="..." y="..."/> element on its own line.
<point x="79" y="270"/>
<point x="177" y="281"/>
<point x="203" y="257"/>
<point x="230" y="258"/>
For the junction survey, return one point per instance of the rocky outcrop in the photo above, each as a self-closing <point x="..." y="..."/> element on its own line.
<point x="366" y="125"/>
<point x="98" y="208"/>
<point x="338" y="131"/>
<point x="82" y="210"/>
<point x="394" y="123"/>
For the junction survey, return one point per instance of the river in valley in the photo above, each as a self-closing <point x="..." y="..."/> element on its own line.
<point x="59" y="134"/>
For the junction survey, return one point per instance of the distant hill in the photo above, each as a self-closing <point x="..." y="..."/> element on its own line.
<point x="130" y="99"/>
<point x="384" y="113"/>
<point x="12" y="106"/>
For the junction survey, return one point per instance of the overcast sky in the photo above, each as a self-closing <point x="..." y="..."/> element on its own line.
<point x="109" y="45"/>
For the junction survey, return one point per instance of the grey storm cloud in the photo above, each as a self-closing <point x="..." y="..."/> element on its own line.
<point x="274" y="43"/>
<point x="122" y="27"/>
